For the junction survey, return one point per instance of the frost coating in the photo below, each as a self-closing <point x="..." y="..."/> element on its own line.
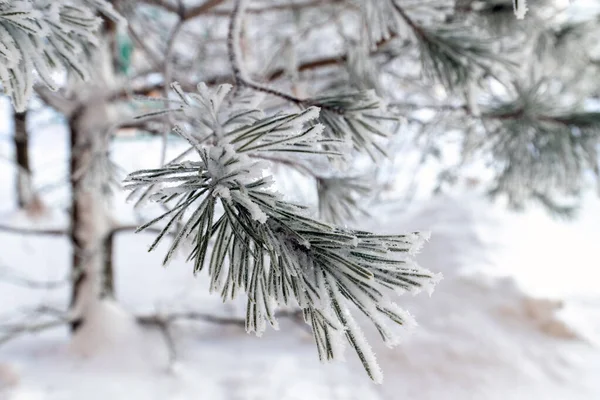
<point x="45" y="37"/>
<point x="419" y="239"/>
<point x="520" y="7"/>
<point x="252" y="241"/>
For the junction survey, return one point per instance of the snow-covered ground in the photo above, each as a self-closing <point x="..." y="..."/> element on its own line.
<point x="516" y="317"/>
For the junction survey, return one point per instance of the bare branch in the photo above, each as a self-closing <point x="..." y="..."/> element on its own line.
<point x="11" y="276"/>
<point x="167" y="72"/>
<point x="206" y="9"/>
<point x="205" y="317"/>
<point x="13" y="331"/>
<point x="185" y="14"/>
<point x="54" y="100"/>
<point x="436" y="107"/>
<point x="165" y="330"/>
<point x="32" y="232"/>
<point x="237" y="15"/>
<point x="291" y="6"/>
<point x="62" y="232"/>
<point x="201" y="9"/>
<point x="154" y="58"/>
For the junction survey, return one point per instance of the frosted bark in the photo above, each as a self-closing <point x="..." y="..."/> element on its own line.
<point x="520" y="7"/>
<point x="89" y="215"/>
<point x="90" y="127"/>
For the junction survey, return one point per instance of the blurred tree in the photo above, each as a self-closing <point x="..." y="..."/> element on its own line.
<point x="318" y="86"/>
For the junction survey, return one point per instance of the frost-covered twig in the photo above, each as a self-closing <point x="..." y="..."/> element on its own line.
<point x="44" y="37"/>
<point x="9" y="332"/>
<point x="450" y="54"/>
<point x="148" y="51"/>
<point x="32" y="231"/>
<point x="283" y="7"/>
<point x="354" y="118"/>
<point x="164" y="324"/>
<point x="186" y="13"/>
<point x="61" y="232"/>
<point x="167" y="73"/>
<point x="12" y="331"/>
<point x="205" y="317"/>
<point x="12" y="276"/>
<point x="235" y="59"/>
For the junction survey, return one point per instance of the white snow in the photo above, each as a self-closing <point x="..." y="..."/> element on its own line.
<point x="107" y="328"/>
<point x="516" y="316"/>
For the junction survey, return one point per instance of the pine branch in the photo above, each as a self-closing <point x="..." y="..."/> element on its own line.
<point x="44" y="38"/>
<point x="251" y="241"/>
<point x="340" y="198"/>
<point x="450" y="53"/>
<point x="308" y="65"/>
<point x="349" y="117"/>
<point x="528" y="136"/>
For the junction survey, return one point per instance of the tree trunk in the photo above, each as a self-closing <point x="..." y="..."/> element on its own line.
<point x="21" y="141"/>
<point x="92" y="242"/>
<point x="108" y="271"/>
<point x="89" y="233"/>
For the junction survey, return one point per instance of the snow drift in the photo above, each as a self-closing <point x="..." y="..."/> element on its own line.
<point x="480" y="336"/>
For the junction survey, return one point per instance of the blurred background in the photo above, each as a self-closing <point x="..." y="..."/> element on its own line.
<point x="493" y="149"/>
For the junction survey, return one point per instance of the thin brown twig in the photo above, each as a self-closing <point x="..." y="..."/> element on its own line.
<point x="292" y="6"/>
<point x="12" y="277"/>
<point x="205" y="317"/>
<point x="62" y="232"/>
<point x="163" y="323"/>
<point x="31" y="231"/>
<point x="185" y="14"/>
<point x="240" y="80"/>
<point x="14" y="331"/>
<point x="167" y="71"/>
